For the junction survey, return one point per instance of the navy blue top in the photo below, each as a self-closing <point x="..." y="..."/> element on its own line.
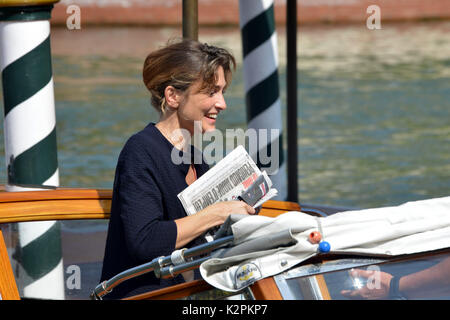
<point x="144" y="207"/>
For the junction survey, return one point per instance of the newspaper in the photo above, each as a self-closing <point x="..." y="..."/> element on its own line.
<point x="235" y="177"/>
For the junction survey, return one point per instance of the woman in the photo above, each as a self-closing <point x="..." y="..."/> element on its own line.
<point x="187" y="81"/>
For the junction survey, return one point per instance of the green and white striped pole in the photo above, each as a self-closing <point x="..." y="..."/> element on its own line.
<point x="260" y="52"/>
<point x="30" y="136"/>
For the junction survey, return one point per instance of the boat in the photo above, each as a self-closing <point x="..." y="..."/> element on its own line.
<point x="321" y="277"/>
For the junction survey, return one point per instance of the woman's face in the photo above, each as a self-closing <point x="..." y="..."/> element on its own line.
<point x="203" y="107"/>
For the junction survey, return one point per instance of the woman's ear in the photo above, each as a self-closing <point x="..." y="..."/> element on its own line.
<point x="173" y="97"/>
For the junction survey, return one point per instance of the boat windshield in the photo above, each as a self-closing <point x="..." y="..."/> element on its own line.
<point x="425" y="277"/>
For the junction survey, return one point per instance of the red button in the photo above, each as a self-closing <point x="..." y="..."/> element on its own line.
<point x="315" y="237"/>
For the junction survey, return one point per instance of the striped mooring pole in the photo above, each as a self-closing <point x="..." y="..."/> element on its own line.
<point x="260" y="64"/>
<point x="30" y="137"/>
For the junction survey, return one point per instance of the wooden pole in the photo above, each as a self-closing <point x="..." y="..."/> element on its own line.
<point x="291" y="71"/>
<point x="190" y="19"/>
<point x="30" y="136"/>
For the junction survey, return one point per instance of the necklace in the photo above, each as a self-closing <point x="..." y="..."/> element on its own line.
<point x="177" y="144"/>
<point x="191" y="175"/>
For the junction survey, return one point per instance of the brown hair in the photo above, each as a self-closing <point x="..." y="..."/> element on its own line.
<point x="181" y="64"/>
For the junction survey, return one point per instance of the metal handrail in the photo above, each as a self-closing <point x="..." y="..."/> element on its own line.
<point x="161" y="266"/>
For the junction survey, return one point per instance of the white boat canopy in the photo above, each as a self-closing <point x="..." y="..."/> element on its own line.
<point x="267" y="246"/>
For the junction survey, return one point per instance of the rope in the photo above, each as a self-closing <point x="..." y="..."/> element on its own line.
<point x="319" y="227"/>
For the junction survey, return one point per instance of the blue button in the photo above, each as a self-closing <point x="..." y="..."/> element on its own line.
<point x="324" y="247"/>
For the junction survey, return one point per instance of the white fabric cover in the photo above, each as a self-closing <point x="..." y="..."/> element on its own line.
<point x="409" y="228"/>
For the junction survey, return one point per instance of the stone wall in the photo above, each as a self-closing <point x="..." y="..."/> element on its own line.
<point x="226" y="12"/>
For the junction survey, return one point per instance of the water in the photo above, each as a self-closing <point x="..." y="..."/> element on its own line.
<point x="374" y="117"/>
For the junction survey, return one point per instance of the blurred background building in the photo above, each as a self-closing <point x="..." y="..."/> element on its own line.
<point x="226" y="12"/>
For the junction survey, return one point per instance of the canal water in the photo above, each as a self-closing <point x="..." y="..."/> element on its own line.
<point x="373" y="105"/>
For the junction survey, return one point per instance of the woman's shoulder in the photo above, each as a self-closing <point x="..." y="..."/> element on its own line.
<point x="145" y="142"/>
<point x="148" y="136"/>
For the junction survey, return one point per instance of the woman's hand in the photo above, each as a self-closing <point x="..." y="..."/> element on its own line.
<point x="194" y="225"/>
<point x="376" y="288"/>
<point x="223" y="209"/>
